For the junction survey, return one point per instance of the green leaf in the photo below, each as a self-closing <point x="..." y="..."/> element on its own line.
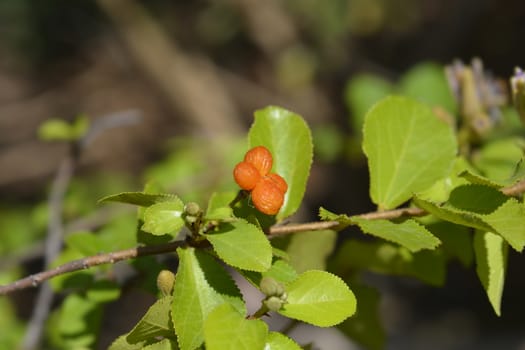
<point x="121" y="343"/>
<point x="201" y="285"/>
<point x="139" y="198"/>
<point x="365" y="326"/>
<point x="440" y="190"/>
<point x="408" y="233"/>
<point x="288" y="138"/>
<point x="491" y="260"/>
<point x="164" y="218"/>
<point x="427" y="83"/>
<point x="226" y="329"/>
<point x="309" y="250"/>
<point x="164" y="344"/>
<point x="479" y="199"/>
<point x="453" y="215"/>
<point x="281" y="271"/>
<point x="344" y="220"/>
<point x="319" y="298"/>
<point x="408" y="150"/>
<point x="279" y="341"/>
<point x="155" y="323"/>
<point x="219" y="205"/>
<point x="509" y="221"/>
<point x="361" y="93"/>
<point x="480" y="179"/>
<point x="242" y="245"/>
<point x="483" y="208"/>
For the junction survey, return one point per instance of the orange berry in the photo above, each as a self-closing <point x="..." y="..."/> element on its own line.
<point x="267" y="197"/>
<point x="279" y="181"/>
<point x="246" y="175"/>
<point x="260" y="158"/>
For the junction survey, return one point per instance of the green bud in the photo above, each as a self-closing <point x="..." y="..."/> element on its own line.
<point x="271" y="287"/>
<point x="192" y="209"/>
<point x="165" y="282"/>
<point x="191" y="219"/>
<point x="274" y="303"/>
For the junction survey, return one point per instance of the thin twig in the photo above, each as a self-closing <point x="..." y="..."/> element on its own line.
<point x="393" y="214"/>
<point x="85" y="263"/>
<point x="295" y="228"/>
<point x="515" y="189"/>
<point x="274" y="231"/>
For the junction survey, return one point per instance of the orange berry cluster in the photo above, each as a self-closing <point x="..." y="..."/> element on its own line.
<point x="253" y="174"/>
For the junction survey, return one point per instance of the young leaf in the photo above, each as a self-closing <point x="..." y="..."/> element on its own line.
<point x="408" y="149"/>
<point x="165" y="217"/>
<point x="226" y="329"/>
<point x="155" y="323"/>
<point x="344" y="220"/>
<point x="201" y="285"/>
<point x="408" y="233"/>
<point x="138" y="198"/>
<point x="219" y="206"/>
<point x="280" y="271"/>
<point x="279" y="341"/>
<point x="491" y="260"/>
<point x="219" y="200"/>
<point x="309" y="250"/>
<point x="288" y="138"/>
<point x="319" y="298"/>
<point x="242" y="245"/>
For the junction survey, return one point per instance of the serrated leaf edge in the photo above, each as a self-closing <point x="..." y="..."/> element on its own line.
<point x="287" y="285"/>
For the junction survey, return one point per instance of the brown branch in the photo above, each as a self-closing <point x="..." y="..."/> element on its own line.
<point x="80" y="264"/>
<point x="274" y="231"/>
<point x="394" y="214"/>
<point x="515" y="189"/>
<point x="295" y="228"/>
